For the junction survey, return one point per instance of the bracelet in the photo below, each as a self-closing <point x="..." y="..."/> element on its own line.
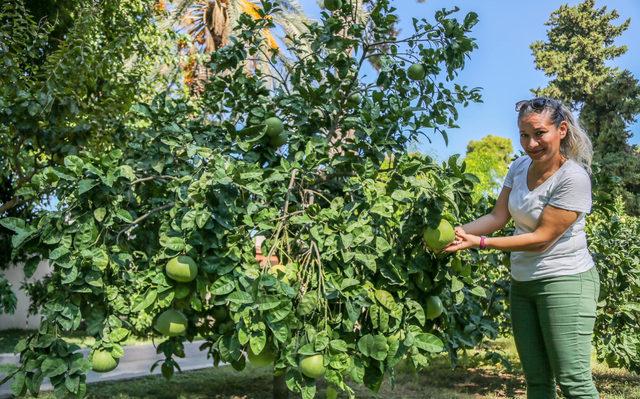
<point x="483" y="243"/>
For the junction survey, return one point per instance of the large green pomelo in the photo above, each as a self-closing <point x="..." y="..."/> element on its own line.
<point x="354" y="100"/>
<point x="181" y="291"/>
<point x="171" y="323"/>
<point x="274" y="126"/>
<point x="416" y="72"/>
<point x="332" y="5"/>
<point x="264" y="358"/>
<point x="279" y="140"/>
<point x="182" y="268"/>
<point x="331" y="392"/>
<point x="312" y="366"/>
<point x="436" y="239"/>
<point x="434" y="307"/>
<point x="102" y="361"/>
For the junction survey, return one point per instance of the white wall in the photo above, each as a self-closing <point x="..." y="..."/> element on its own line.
<point x="20" y="319"/>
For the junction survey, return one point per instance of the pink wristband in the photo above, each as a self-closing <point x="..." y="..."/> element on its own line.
<point x="483" y="243"/>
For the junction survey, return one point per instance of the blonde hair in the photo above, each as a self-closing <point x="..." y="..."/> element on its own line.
<point x="576" y="145"/>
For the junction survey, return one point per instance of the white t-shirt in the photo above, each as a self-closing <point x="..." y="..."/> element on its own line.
<point x="568" y="188"/>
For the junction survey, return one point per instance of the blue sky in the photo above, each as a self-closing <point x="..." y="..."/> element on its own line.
<point x="503" y="64"/>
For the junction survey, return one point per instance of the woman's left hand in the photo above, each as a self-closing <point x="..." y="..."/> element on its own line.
<point x="463" y="241"/>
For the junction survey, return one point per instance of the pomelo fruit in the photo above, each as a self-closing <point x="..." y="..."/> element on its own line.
<point x="167" y="370"/>
<point x="354" y="100"/>
<point x="171" y="323"/>
<point x="279" y="140"/>
<point x="332" y="5"/>
<point x="434" y="307"/>
<point x="312" y="366"/>
<point x="102" y="361"/>
<point x="274" y="126"/>
<point x="416" y="72"/>
<point x="182" y="269"/>
<point x="264" y="358"/>
<point x="436" y="239"/>
<point x="220" y="314"/>
<point x="331" y="392"/>
<point x="181" y="291"/>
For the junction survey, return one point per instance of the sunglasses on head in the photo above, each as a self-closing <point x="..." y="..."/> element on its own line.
<point x="537" y="104"/>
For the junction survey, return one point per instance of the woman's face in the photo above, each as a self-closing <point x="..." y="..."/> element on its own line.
<point x="539" y="136"/>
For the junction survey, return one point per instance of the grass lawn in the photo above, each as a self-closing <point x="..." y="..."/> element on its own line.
<point x="438" y="382"/>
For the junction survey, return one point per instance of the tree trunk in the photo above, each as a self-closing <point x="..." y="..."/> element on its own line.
<point x="280" y="390"/>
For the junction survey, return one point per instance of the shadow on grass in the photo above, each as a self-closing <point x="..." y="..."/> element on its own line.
<point x="475" y="381"/>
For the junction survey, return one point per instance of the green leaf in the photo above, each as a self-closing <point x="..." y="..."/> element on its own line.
<point x="74" y="163"/>
<point x="308" y="303"/>
<point x="53" y="366"/>
<point x="173" y="243"/>
<point x="382" y="245"/>
<point x="479" y="291"/>
<point x="127" y="172"/>
<point x="85" y="185"/>
<point x="240" y="297"/>
<point x="428" y="342"/>
<point x="18" y="386"/>
<point x="124" y="215"/>
<point x="385" y="299"/>
<point x="118" y="334"/>
<point x="149" y="299"/>
<point x="456" y="284"/>
<point x="374" y="346"/>
<point x="58" y="253"/>
<point x="13" y="224"/>
<point x="338" y="345"/>
<point x="100" y="258"/>
<point x="268" y="302"/>
<point x="222" y="286"/>
<point x="202" y="217"/>
<point x="72" y="383"/>
<point x="257" y="341"/>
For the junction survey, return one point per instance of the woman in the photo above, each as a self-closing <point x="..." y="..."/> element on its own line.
<point x="554" y="284"/>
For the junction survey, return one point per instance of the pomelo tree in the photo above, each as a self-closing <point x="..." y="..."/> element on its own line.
<point x="198" y="178"/>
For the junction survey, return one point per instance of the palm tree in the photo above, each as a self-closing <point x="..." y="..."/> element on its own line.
<point x="210" y="23"/>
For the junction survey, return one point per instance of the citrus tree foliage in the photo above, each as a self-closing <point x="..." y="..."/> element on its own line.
<point x="488" y="158"/>
<point x="577" y="57"/>
<point x="67" y="77"/>
<point x="612" y="241"/>
<point x="201" y="177"/>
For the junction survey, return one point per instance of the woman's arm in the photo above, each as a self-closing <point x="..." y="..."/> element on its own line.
<point x="552" y="224"/>
<point x="493" y="221"/>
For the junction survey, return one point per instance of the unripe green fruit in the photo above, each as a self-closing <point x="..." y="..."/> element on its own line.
<point x="220" y="314"/>
<point x="264" y="358"/>
<point x="278" y="140"/>
<point x="181" y="291"/>
<point x="274" y="126"/>
<point x="182" y="268"/>
<point x="434" y="307"/>
<point x="331" y="392"/>
<point x="437" y="239"/>
<point x="416" y="72"/>
<point x="171" y="323"/>
<point x="102" y="361"/>
<point x="312" y="366"/>
<point x="167" y="370"/>
<point x="332" y="5"/>
<point x="354" y="100"/>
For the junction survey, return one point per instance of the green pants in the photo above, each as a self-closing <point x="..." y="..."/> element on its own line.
<point x="552" y="322"/>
